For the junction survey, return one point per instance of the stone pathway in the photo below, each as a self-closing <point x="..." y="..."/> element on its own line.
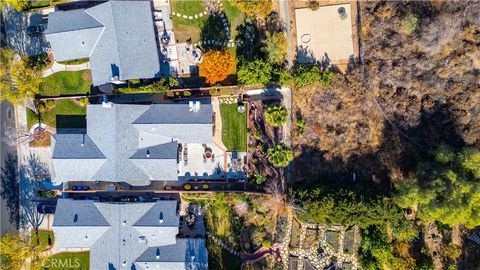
<point x="213" y="7"/>
<point x="284" y="251"/>
<point x="219" y="242"/>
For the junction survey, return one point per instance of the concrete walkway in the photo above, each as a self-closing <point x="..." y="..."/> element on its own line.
<point x="56" y="67"/>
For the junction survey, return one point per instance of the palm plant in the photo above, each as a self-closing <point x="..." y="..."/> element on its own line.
<point x="276" y="115"/>
<point x="280" y="155"/>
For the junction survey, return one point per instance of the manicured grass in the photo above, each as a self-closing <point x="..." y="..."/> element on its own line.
<point x="66" y="83"/>
<point x="187" y="7"/>
<point x="234" y="127"/>
<point x="65" y="114"/>
<point x="192" y="28"/>
<point x="68" y="260"/>
<point x="43" y="237"/>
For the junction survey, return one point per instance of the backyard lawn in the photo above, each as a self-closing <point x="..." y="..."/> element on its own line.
<point x="66" y="83"/>
<point x="192" y="28"/>
<point x="73" y="260"/>
<point x="43" y="237"/>
<point x="234" y="127"/>
<point x="65" y="114"/>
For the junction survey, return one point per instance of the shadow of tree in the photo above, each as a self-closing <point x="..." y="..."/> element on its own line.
<point x="247" y="40"/>
<point x="213" y="34"/>
<point x="10" y="189"/>
<point x="32" y="173"/>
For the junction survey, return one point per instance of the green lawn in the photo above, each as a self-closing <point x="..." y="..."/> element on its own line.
<point x="43" y="237"/>
<point x="192" y="28"/>
<point x="234" y="127"/>
<point x="75" y="62"/>
<point x="66" y="83"/>
<point x="68" y="260"/>
<point x="65" y="114"/>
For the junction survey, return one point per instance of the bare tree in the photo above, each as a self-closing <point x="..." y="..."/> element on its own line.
<point x="19" y="135"/>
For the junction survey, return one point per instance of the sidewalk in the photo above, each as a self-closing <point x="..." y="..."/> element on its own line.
<point x="56" y="67"/>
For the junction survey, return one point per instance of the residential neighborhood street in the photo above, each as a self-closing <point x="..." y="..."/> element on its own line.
<point x="7" y="119"/>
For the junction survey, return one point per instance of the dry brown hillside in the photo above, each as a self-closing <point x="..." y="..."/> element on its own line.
<point x="422" y="65"/>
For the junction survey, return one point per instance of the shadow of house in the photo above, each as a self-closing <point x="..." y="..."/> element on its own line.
<point x="213" y="34"/>
<point x="71" y="123"/>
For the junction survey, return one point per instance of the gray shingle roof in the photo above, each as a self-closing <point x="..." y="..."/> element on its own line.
<point x="78" y="213"/>
<point x="190" y="251"/>
<point x="133" y="229"/>
<point x="164" y="210"/>
<point x="65" y="21"/>
<point x="124" y="46"/>
<point x="116" y="150"/>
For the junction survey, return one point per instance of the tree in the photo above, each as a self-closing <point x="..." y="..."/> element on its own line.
<point x="276" y="115"/>
<point x="256" y="72"/>
<point x="18" y="80"/>
<point x="254" y="7"/>
<point x="446" y="188"/>
<point x="306" y="75"/>
<point x="216" y="66"/>
<point x="275" y="47"/>
<point x="18" y="5"/>
<point x="18" y="250"/>
<point x="280" y="155"/>
<point x="409" y="24"/>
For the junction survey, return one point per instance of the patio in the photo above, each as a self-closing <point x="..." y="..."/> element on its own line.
<point x="197" y="161"/>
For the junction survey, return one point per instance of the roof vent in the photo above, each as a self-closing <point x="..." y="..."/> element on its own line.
<point x="75" y="218"/>
<point x="86" y="237"/>
<point x="161" y="218"/>
<point x="148" y="153"/>
<point x="194" y="106"/>
<point x="124" y="263"/>
<point x="124" y="223"/>
<point x="157" y="255"/>
<point x="142" y="239"/>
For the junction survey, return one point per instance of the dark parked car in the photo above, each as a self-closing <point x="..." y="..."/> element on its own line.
<point x="46" y="208"/>
<point x="36" y="29"/>
<point x="80" y="188"/>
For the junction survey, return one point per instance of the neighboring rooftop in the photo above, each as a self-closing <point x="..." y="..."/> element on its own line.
<point x="130" y="143"/>
<point x="117" y="36"/>
<point x="127" y="236"/>
<point x="324" y="34"/>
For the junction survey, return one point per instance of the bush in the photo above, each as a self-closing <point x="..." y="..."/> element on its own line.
<point x="409" y="24"/>
<point x="212" y="92"/>
<point x="300" y="126"/>
<point x="187" y="93"/>
<point x="254" y="7"/>
<point x="49" y="104"/>
<point x="275" y="47"/>
<point x="266" y="243"/>
<point x="173" y="82"/>
<point x="83" y="102"/>
<point x="453" y="252"/>
<point x="187" y="186"/>
<point x="257" y="134"/>
<point x="306" y="75"/>
<point x="205" y="186"/>
<point x="134" y="81"/>
<point x="326" y="78"/>
<point x="41" y="108"/>
<point x="313" y="5"/>
<point x="254" y="73"/>
<point x="260" y="179"/>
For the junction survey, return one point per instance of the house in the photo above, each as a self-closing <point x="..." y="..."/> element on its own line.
<point x="117" y="36"/>
<point x="130" y="143"/>
<point x="127" y="235"/>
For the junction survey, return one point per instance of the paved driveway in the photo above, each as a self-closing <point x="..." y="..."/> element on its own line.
<point x="16" y="24"/>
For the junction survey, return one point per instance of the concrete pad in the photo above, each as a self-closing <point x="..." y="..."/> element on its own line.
<point x="323" y="34"/>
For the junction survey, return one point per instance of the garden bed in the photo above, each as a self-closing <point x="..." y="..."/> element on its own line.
<point x="295" y="236"/>
<point x="219" y="258"/>
<point x="234" y="127"/>
<point x="43" y="238"/>
<point x="332" y="239"/>
<point x="311" y="238"/>
<point x="65" y="83"/>
<point x="349" y="242"/>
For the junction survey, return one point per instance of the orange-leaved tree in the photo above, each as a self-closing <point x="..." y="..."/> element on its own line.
<point x="216" y="66"/>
